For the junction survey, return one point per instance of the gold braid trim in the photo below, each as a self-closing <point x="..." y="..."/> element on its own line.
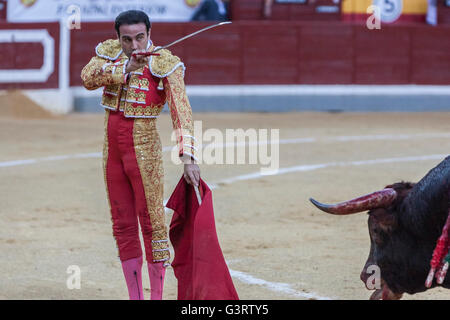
<point x="165" y="64"/>
<point x="181" y="113"/>
<point x="109" y="49"/>
<point x="147" y="145"/>
<point x="105" y="161"/>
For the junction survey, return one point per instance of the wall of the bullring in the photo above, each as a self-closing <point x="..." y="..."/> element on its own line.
<point x="247" y="53"/>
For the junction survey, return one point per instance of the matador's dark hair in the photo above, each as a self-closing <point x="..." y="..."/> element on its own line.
<point x="132" y="17"/>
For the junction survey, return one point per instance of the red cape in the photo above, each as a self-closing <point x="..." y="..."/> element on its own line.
<point x="198" y="264"/>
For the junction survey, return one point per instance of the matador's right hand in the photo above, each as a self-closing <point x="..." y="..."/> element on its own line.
<point x="136" y="61"/>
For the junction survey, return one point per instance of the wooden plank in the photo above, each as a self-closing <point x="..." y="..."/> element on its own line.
<point x="214" y="56"/>
<point x="287" y="52"/>
<point x="382" y="56"/>
<point x="325" y="54"/>
<point x="430" y="56"/>
<point x="269" y="53"/>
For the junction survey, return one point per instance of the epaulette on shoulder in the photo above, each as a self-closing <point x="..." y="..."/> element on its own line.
<point x="109" y="49"/>
<point x="166" y="63"/>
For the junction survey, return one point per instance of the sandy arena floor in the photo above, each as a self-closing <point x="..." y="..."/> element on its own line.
<point x="54" y="212"/>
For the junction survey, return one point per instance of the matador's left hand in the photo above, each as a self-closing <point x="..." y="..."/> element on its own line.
<point x="192" y="174"/>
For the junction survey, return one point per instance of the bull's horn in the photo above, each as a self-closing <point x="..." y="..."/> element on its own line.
<point x="378" y="199"/>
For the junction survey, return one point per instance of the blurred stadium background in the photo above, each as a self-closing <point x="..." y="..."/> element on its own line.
<point x="281" y="59"/>
<point x="277" y="64"/>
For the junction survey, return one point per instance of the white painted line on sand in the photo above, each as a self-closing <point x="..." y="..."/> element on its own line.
<point x="385" y="137"/>
<point x="14" y="163"/>
<point x="50" y="158"/>
<point x="284" y="288"/>
<point x="311" y="167"/>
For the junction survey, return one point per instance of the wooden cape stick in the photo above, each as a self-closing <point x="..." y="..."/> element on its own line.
<point x="199" y="198"/>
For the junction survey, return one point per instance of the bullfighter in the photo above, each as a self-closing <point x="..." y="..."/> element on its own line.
<point x="135" y="89"/>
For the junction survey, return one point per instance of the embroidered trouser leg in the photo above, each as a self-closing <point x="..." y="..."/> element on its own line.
<point x="134" y="180"/>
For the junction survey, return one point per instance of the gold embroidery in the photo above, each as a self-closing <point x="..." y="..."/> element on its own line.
<point x="113" y="88"/>
<point x="101" y="72"/>
<point x="147" y="145"/>
<point x="105" y="161"/>
<point x="105" y="149"/>
<point x="110" y="101"/>
<point x="164" y="63"/>
<point x="131" y="95"/>
<point x="180" y="111"/>
<point x="110" y="98"/>
<point x="120" y="70"/>
<point x="161" y="256"/>
<point x="138" y="111"/>
<point x="109" y="49"/>
<point x="159" y="245"/>
<point x="144" y="84"/>
<point x="97" y="73"/>
<point x="141" y="97"/>
<point x="134" y="81"/>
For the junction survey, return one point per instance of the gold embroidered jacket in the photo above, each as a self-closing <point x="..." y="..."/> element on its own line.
<point x="144" y="92"/>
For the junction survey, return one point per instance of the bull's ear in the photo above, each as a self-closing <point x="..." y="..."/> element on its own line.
<point x="384" y="218"/>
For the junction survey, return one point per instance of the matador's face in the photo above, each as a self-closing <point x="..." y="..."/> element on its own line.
<point x="133" y="37"/>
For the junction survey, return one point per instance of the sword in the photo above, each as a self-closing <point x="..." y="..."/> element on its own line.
<point x="182" y="39"/>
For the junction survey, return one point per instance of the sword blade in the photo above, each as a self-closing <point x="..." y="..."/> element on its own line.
<point x="191" y="35"/>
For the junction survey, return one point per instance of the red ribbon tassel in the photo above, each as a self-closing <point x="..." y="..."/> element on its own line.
<point x="439" y="252"/>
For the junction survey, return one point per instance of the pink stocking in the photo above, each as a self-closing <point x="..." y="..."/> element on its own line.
<point x="132" y="270"/>
<point x="156" y="272"/>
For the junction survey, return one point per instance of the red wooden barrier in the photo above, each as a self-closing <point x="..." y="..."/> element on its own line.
<point x="443" y="13"/>
<point x="21" y="56"/>
<point x="325" y="54"/>
<point x="258" y="52"/>
<point x="264" y="52"/>
<point x="430" y="55"/>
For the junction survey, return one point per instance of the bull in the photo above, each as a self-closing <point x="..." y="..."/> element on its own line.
<point x="405" y="222"/>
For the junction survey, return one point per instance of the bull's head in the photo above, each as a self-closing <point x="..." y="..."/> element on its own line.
<point x="383" y="223"/>
<point x="405" y="220"/>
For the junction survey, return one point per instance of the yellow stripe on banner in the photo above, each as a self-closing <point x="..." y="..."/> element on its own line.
<point x="360" y="6"/>
<point x="415" y="6"/>
<point x="355" y="6"/>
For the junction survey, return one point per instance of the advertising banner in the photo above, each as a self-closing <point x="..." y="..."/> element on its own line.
<point x="98" y="10"/>
<point x="390" y="11"/>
